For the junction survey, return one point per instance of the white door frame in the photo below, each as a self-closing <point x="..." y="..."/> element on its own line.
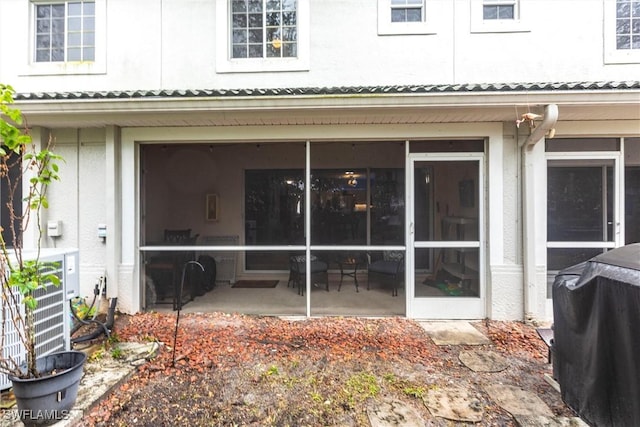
<point x="444" y="307"/>
<point x="618" y="196"/>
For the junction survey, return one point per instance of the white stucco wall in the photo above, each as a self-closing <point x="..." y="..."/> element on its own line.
<point x="172" y="44"/>
<point x="78" y="201"/>
<point x="505" y="276"/>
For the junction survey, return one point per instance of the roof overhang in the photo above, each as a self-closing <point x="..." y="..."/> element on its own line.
<point x="331" y="106"/>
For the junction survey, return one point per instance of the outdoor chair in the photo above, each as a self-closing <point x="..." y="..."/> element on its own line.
<point x="297" y="272"/>
<point x="389" y="269"/>
<point x="166" y="268"/>
<point x="210" y="272"/>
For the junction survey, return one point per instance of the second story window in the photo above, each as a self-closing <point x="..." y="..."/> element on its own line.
<point x="65" y="31"/>
<point x="628" y="24"/>
<point x="402" y="17"/>
<point x="500" y="16"/>
<point x="499" y="9"/>
<point x="622" y="32"/>
<point x="264" y="29"/>
<point x="407" y="11"/>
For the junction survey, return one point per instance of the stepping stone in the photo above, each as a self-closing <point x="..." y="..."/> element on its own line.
<point x="541" y="421"/>
<point x="134" y="352"/>
<point x="483" y="360"/>
<point x="454" y="403"/>
<point x="7" y="400"/>
<point x="454" y="333"/>
<point x="393" y="413"/>
<point x="517" y="401"/>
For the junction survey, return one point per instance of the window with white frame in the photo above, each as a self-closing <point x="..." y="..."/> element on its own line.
<point x="65" y="37"/>
<point x="498" y="16"/>
<point x="407" y="10"/>
<point x="622" y="31"/>
<point x="264" y="29"/>
<point x="65" y="31"/>
<point x="628" y="24"/>
<point x="499" y="9"/>
<point x="400" y="17"/>
<point x="262" y="35"/>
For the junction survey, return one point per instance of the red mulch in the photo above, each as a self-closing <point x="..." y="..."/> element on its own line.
<point x="261" y="371"/>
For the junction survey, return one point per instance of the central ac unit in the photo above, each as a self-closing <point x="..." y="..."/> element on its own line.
<point x="52" y="315"/>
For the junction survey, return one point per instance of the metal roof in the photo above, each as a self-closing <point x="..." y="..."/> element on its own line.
<point x="323" y="91"/>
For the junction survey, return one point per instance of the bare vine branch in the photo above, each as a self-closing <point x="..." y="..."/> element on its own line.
<point x="26" y="171"/>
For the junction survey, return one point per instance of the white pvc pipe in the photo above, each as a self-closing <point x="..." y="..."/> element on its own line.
<point x="548" y="122"/>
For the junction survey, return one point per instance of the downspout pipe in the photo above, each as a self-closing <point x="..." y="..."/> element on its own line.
<point x="548" y="122"/>
<point x="532" y="212"/>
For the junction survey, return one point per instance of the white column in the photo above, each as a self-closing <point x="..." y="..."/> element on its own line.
<point x="534" y="229"/>
<point x="127" y="185"/>
<point x="494" y="194"/>
<point x="112" y="203"/>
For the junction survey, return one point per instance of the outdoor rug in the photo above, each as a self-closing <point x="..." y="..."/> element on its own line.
<point x="255" y="284"/>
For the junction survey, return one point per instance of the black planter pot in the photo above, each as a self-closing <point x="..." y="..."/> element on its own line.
<point x="49" y="399"/>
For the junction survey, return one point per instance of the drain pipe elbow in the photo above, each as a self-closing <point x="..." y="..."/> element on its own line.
<point x="548" y="122"/>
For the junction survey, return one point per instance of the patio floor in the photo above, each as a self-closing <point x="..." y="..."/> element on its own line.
<point x="285" y="301"/>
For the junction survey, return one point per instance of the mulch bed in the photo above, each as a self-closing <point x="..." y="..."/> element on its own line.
<point x="265" y="371"/>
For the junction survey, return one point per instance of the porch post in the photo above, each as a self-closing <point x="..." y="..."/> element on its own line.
<point x="534" y="229"/>
<point x="112" y="203"/>
<point x="409" y="232"/>
<point x="307" y="226"/>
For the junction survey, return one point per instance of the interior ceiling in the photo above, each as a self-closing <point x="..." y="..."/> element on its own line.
<point x="318" y="116"/>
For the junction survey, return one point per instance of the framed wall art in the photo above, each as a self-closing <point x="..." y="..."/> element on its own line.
<point x="212" y="207"/>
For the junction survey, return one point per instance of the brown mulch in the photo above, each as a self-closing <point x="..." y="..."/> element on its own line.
<point x="236" y="370"/>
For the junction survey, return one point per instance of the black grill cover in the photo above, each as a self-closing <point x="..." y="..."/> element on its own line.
<point x="596" y="312"/>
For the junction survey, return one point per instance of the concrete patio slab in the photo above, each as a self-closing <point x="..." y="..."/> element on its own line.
<point x="454" y="333"/>
<point x="454" y="403"/>
<point x="483" y="360"/>
<point x="517" y="401"/>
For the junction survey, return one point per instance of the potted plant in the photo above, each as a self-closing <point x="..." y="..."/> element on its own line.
<point x="45" y="387"/>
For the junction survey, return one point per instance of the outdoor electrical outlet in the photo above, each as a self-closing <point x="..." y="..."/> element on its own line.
<point x="102" y="231"/>
<point x="54" y="228"/>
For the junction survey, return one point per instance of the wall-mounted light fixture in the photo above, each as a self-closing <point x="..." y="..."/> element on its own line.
<point x="351" y="178"/>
